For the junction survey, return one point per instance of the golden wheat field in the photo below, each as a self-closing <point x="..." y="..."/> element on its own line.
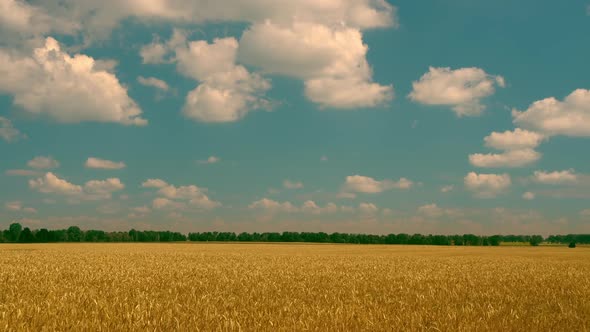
<point x="292" y="287"/>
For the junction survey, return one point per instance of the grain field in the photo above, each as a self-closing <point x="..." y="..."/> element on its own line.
<point x="292" y="287"/>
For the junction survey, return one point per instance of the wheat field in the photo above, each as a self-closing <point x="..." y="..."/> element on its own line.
<point x="292" y="287"/>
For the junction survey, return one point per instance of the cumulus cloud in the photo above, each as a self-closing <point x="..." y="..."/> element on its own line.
<point x="368" y="208"/>
<point x="288" y="184"/>
<point x="17" y="206"/>
<point x="462" y="89"/>
<point x="67" y="89"/>
<point x="43" y="162"/>
<point x="153" y="82"/>
<point x="557" y="177"/>
<point x="511" y="158"/>
<point x="103" y="164"/>
<point x="518" y="139"/>
<point x="227" y="91"/>
<point x="365" y="184"/>
<point x="92" y="190"/>
<point x="179" y="196"/>
<point x="273" y="206"/>
<point x="487" y="185"/>
<point x="7" y="130"/>
<point x="330" y="59"/>
<point x="551" y="117"/>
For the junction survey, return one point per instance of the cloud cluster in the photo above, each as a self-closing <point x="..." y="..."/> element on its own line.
<point x="17" y="206"/>
<point x="462" y="89"/>
<point x="556" y="177"/>
<point x="310" y="207"/>
<point x="518" y="146"/>
<point x="91" y="190"/>
<point x="173" y="197"/>
<point x="67" y="89"/>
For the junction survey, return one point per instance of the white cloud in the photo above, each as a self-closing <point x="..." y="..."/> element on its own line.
<point x="446" y="189"/>
<point x="103" y="164"/>
<point x="365" y="184"/>
<point x="154" y="183"/>
<point x="7" y="130"/>
<point x="92" y="190"/>
<point x="529" y="196"/>
<point x="556" y="177"/>
<point x="165" y="203"/>
<point x="43" y="162"/>
<point x="18" y="206"/>
<point x="346" y="195"/>
<point x="22" y="172"/>
<point x="368" y="208"/>
<point x="50" y="183"/>
<point x="273" y="206"/>
<point x="210" y="160"/>
<point x="323" y="158"/>
<point x="227" y="91"/>
<point x="67" y="89"/>
<point x="191" y="194"/>
<point x="570" y="117"/>
<point x="463" y="89"/>
<point x="487" y="185"/>
<point x="330" y="59"/>
<point x="518" y="139"/>
<point x="153" y="82"/>
<point x="288" y="184"/>
<point x="512" y="158"/>
<point x="311" y="207"/>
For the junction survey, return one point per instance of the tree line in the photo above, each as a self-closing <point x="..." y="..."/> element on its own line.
<point x="17" y="234"/>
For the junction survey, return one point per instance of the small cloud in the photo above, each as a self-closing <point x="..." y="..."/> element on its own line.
<point x="324" y="158"/>
<point x="529" y="196"/>
<point x="287" y="184"/>
<point x="447" y="189"/>
<point x="103" y="164"/>
<point x="17" y="206"/>
<point x="585" y="213"/>
<point x="43" y="163"/>
<point x="210" y="160"/>
<point x="153" y="82"/>
<point x="8" y="132"/>
<point x="346" y="195"/>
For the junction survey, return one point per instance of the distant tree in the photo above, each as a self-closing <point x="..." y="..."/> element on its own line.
<point x="14" y="231"/>
<point x="26" y="236"/>
<point x="42" y="235"/>
<point x="74" y="234"/>
<point x="535" y="240"/>
<point x="572" y="245"/>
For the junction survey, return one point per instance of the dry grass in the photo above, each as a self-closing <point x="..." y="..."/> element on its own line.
<point x="292" y="287"/>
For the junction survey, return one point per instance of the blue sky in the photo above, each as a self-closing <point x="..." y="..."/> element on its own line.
<point x="350" y="116"/>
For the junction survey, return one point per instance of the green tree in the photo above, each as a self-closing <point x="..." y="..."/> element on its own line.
<point x="14" y="231"/>
<point x="74" y="234"/>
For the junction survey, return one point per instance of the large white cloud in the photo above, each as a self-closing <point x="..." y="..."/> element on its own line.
<point x="556" y="177"/>
<point x="227" y="91"/>
<point x="462" y="89"/>
<point x="511" y="158"/>
<point x="570" y="117"/>
<point x="487" y="185"/>
<point x="330" y="59"/>
<point x="365" y="184"/>
<point x="67" y="89"/>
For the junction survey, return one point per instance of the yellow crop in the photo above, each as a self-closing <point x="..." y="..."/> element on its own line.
<point x="292" y="287"/>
